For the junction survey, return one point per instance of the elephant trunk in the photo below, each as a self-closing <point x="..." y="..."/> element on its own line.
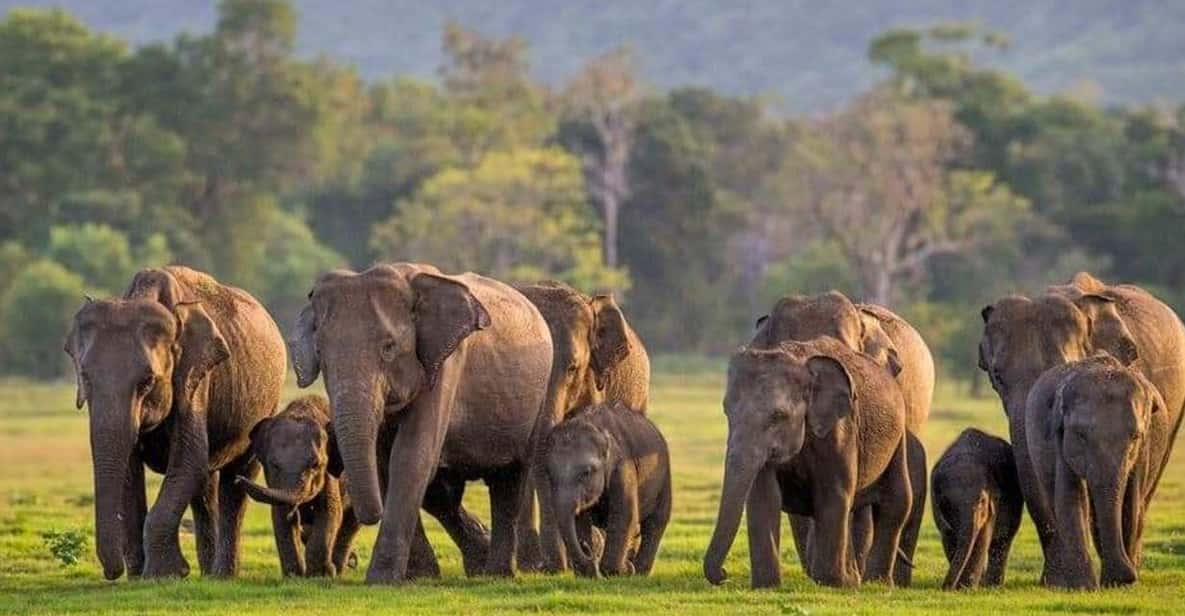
<point x="1108" y="504"/>
<point x="356" y="423"/>
<point x="273" y="496"/>
<point x="739" y="474"/>
<point x="582" y="561"/>
<point x="113" y="436"/>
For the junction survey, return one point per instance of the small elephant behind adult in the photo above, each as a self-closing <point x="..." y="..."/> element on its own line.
<point x="1098" y="433"/>
<point x="977" y="506"/>
<point x="609" y="469"/>
<point x="313" y="521"/>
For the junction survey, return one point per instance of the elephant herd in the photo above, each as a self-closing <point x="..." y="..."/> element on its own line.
<point x="541" y="391"/>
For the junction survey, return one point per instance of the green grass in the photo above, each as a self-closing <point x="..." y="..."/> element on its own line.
<point x="45" y="484"/>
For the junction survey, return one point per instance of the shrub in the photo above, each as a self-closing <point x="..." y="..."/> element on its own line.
<point x="66" y="546"/>
<point x="35" y="313"/>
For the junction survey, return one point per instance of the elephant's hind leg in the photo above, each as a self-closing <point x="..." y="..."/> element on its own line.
<point x="903" y="570"/>
<point x="232" y="504"/>
<point x="205" y="523"/>
<point x="443" y="501"/>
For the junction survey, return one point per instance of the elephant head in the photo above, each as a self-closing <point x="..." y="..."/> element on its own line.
<point x="590" y="339"/>
<point x="380" y="338"/>
<point x="1023" y="337"/>
<point x="579" y="458"/>
<point x="1099" y="421"/>
<point x="135" y="360"/>
<point x="803" y="318"/>
<point x="775" y="400"/>
<point x="297" y="448"/>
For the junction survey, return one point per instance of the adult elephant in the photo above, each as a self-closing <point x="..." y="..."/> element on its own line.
<point x="597" y="357"/>
<point x="1023" y="337"/>
<point x="894" y="344"/>
<point x="455" y="366"/>
<point x="176" y="374"/>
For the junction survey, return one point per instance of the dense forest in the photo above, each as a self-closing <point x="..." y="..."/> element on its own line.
<point x="942" y="185"/>
<point x="809" y="54"/>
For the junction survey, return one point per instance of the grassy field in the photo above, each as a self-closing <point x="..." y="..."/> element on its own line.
<point x="45" y="484"/>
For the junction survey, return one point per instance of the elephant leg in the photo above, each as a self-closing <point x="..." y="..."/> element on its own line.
<point x="652" y="530"/>
<point x="135" y="508"/>
<point x="232" y="505"/>
<point x="185" y="478"/>
<point x="443" y="500"/>
<point x="344" y="541"/>
<point x="530" y="553"/>
<point x="764" y="515"/>
<point x="421" y="560"/>
<point x="890" y="514"/>
<point x="801" y="527"/>
<point x="918" y="479"/>
<point x="861" y="531"/>
<point x="554" y="553"/>
<point x="1073" y="512"/>
<point x="287" y="530"/>
<point x="205" y="523"/>
<point x="831" y="563"/>
<point x="319" y="548"/>
<point x="1040" y="511"/>
<point x="505" y="497"/>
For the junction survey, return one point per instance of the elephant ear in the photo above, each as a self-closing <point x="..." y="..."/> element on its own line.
<point x="258" y="434"/>
<point x="200" y="345"/>
<point x="335" y="465"/>
<point x="1055" y="423"/>
<point x="1108" y="332"/>
<point x="75" y="349"/>
<point x="446" y="313"/>
<point x="302" y="345"/>
<point x="610" y="342"/>
<point x="832" y="396"/>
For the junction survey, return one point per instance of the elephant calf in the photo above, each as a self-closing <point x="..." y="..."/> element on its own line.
<point x="977" y="507"/>
<point x="1098" y="433"/>
<point x="309" y="503"/>
<point x="608" y="467"/>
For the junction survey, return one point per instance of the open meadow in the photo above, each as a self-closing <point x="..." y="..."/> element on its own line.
<point x="45" y="485"/>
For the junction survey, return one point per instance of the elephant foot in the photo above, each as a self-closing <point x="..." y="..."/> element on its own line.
<point x="716" y="575"/>
<point x="169" y="564"/>
<point x="765" y="580"/>
<point x="1120" y="576"/>
<point x="114" y="572"/>
<point x="499" y="569"/>
<point x="1070" y="581"/>
<point x="384" y="577"/>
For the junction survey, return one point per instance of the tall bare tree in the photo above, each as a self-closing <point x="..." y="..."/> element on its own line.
<point x="605" y="94"/>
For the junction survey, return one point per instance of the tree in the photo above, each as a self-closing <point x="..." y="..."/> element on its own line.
<point x="519" y="216"/>
<point x="35" y="313"/>
<point x="605" y="95"/>
<point x="874" y="179"/>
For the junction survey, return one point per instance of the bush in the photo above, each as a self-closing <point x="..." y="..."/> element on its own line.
<point x="98" y="253"/>
<point x="35" y="314"/>
<point x="66" y="546"/>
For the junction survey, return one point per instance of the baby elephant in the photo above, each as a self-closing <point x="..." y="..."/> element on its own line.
<point x="977" y="506"/>
<point x="310" y="506"/>
<point x="609" y="468"/>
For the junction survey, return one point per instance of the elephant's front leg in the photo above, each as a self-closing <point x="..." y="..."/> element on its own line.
<point x="892" y="510"/>
<point x="344" y="541"/>
<point x="286" y="527"/>
<point x="862" y="534"/>
<point x="184" y="479"/>
<point x="505" y="498"/>
<point x="232" y="505"/>
<point x="623" y="521"/>
<point x="1075" y="569"/>
<point x="319" y="549"/>
<point x="764" y="515"/>
<point x="205" y="523"/>
<point x="555" y="555"/>
<point x="135" y="508"/>
<point x="831" y="563"/>
<point x="801" y="528"/>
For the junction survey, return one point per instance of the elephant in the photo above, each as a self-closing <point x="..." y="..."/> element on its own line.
<point x="895" y="345"/>
<point x="310" y="507"/>
<point x="977" y="508"/>
<point x="608" y="467"/>
<point x="1097" y="436"/>
<point x="454" y="368"/>
<point x="1024" y="337"/>
<point x="176" y="373"/>
<point x="817" y="430"/>
<point x="597" y="357"/>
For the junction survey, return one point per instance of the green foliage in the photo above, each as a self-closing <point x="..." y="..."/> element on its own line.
<point x="520" y="216"/>
<point x="289" y="260"/>
<point x="35" y="313"/>
<point x="67" y="546"/>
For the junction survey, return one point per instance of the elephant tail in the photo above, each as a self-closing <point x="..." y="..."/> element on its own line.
<point x="903" y="558"/>
<point x="957" y="577"/>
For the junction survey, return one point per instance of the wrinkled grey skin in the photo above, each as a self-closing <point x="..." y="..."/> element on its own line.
<point x="1023" y="337"/>
<point x="817" y="430"/>
<point x="313" y="521"/>
<point x="597" y="357"/>
<point x="977" y="508"/>
<point x="609" y="468"/>
<point x="455" y="367"/>
<point x="176" y="374"/>
<point x="1098" y="434"/>
<point x="892" y="343"/>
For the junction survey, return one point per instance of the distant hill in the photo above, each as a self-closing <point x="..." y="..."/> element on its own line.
<point x="809" y="53"/>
